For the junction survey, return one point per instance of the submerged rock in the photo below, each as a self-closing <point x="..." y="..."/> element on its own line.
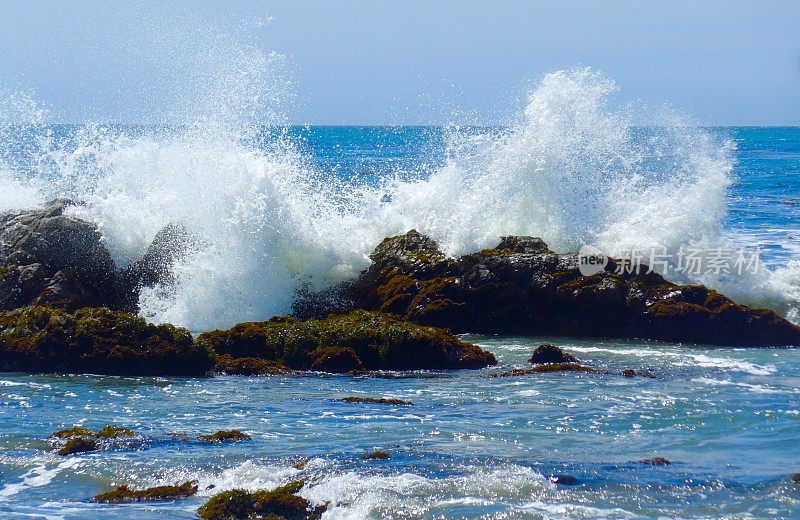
<point x="107" y="432"/>
<point x="78" y="445"/>
<point x="520" y="287"/>
<point x="655" y="461"/>
<point x="564" y="480"/>
<point x="373" y="400"/>
<point x="568" y="367"/>
<point x="280" y="503"/>
<point x="548" y="353"/>
<point x="124" y="494"/>
<point x="368" y="340"/>
<point x="225" y="436"/>
<point x="249" y="366"/>
<point x="96" y="341"/>
<point x="76" y="431"/>
<point x="376" y="455"/>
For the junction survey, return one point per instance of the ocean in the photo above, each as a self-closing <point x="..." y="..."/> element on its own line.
<point x="280" y="207"/>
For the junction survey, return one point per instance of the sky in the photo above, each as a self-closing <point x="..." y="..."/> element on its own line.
<point x="397" y="62"/>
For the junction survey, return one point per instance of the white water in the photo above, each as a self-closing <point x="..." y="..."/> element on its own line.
<point x="570" y="171"/>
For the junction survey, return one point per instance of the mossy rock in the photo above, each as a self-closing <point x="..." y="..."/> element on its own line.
<point x="376" y="455"/>
<point x="380" y="341"/>
<point x="75" y="431"/>
<point x="336" y="360"/>
<point x="112" y="432"/>
<point x="374" y="400"/>
<point x="249" y="366"/>
<point x="98" y="341"/>
<point x="78" y="445"/>
<point x="280" y="503"/>
<point x="225" y="436"/>
<point x="125" y="494"/>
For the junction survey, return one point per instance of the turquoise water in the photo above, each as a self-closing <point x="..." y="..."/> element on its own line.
<point x="470" y="446"/>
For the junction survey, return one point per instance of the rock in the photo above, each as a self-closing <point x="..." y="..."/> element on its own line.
<point x="373" y="400"/>
<point x="76" y="431"/>
<point x="378" y="341"/>
<point x="336" y="360"/>
<point x="48" y="257"/>
<point x="564" y="480"/>
<point x="567" y="367"/>
<point x="173" y="242"/>
<point x="78" y="445"/>
<point x="249" y="366"/>
<point x="124" y="494"/>
<point x="548" y="353"/>
<point x="655" y="461"/>
<point x="96" y="341"/>
<point x="112" y="432"/>
<point x="225" y="436"/>
<point x="796" y="477"/>
<point x="107" y="432"/>
<point x="280" y="503"/>
<point x="376" y="455"/>
<point x="520" y="287"/>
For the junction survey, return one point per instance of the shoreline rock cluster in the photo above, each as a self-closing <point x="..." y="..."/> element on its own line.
<point x="65" y="307"/>
<point x="521" y="287"/>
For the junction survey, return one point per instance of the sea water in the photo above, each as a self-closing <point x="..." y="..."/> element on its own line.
<point x="469" y="446"/>
<point x="275" y="207"/>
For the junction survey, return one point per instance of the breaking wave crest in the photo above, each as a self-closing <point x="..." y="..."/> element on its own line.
<point x="574" y="169"/>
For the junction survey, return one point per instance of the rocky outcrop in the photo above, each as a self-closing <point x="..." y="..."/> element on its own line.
<point x="549" y="353"/>
<point x="520" y="287"/>
<point x="124" y="494"/>
<point x="280" y="503"/>
<point x="48" y="257"/>
<point x="342" y="343"/>
<point x="96" y="341"/>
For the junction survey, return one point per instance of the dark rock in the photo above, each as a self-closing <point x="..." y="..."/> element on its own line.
<point x="336" y="360"/>
<point x="249" y="366"/>
<point x="564" y="480"/>
<point x="549" y="368"/>
<point x="76" y="431"/>
<point x="112" y="432"/>
<point x="48" y="257"/>
<point x="796" y="477"/>
<point x="376" y="455"/>
<point x="155" y="268"/>
<point x="124" y="494"/>
<point x="548" y="353"/>
<point x="96" y="341"/>
<point x="280" y="503"/>
<point x="523" y="288"/>
<point x="655" y="461"/>
<point x="373" y="400"/>
<point x="225" y="436"/>
<point x="78" y="445"/>
<point x="380" y="342"/>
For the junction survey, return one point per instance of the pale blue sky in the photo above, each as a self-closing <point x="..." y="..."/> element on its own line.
<point x="412" y="61"/>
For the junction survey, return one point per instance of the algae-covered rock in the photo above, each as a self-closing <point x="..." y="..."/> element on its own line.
<point x="75" y="431"/>
<point x="374" y="400"/>
<point x="249" y="366"/>
<point x="225" y="436"/>
<point x="549" y="353"/>
<point x="111" y="432"/>
<point x="97" y="341"/>
<point x="521" y="287"/>
<point x="655" y="461"/>
<point x="280" y="503"/>
<point x="379" y="341"/>
<point x="124" y="494"/>
<point x="78" y="445"/>
<point x="376" y="455"/>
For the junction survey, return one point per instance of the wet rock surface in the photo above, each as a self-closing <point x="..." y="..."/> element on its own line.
<point x="344" y="343"/>
<point x="124" y="494"/>
<point x="280" y="503"/>
<point x="549" y="353"/>
<point x="96" y="341"/>
<point x="520" y="287"/>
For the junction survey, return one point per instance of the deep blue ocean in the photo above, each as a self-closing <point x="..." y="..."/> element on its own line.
<point x="469" y="446"/>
